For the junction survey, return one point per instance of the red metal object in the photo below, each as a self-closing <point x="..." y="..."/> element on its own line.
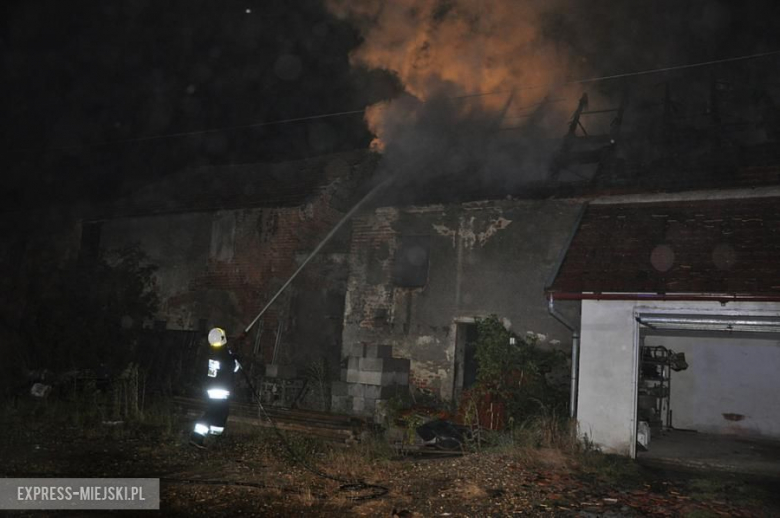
<point x="490" y="409"/>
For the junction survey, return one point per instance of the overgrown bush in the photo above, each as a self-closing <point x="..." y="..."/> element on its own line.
<point x="514" y="372"/>
<point x="79" y="317"/>
<point x="318" y="380"/>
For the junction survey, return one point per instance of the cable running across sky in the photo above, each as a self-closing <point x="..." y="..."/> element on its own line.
<point x="362" y="111"/>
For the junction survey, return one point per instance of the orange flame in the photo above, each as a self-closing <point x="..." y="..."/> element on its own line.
<point x="456" y="48"/>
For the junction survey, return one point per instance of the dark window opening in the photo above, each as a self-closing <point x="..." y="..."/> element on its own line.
<point x="410" y="268"/>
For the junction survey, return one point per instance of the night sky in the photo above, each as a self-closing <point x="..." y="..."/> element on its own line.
<point x="80" y="75"/>
<point x="77" y="73"/>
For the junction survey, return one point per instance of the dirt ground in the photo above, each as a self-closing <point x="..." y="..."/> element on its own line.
<point x="249" y="473"/>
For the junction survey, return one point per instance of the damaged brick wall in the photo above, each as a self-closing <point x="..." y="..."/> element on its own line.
<point x="484" y="258"/>
<point x="222" y="267"/>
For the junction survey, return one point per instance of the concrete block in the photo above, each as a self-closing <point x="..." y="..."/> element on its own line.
<point x="339" y="388"/>
<point x="356" y="389"/>
<point x="280" y="371"/>
<point x="354" y="376"/>
<point x="384" y="364"/>
<point x="384" y="392"/>
<point x="370" y="378"/>
<point x="378" y="351"/>
<point x="343" y="375"/>
<point x="341" y="404"/>
<point x="378" y="378"/>
<point x="363" y="406"/>
<point x="399" y="389"/>
<point x="402" y="364"/>
<point x="373" y="391"/>
<point x="358" y="350"/>
<point x="371" y="364"/>
<point x="381" y="411"/>
<point x="353" y="363"/>
<point x="382" y="379"/>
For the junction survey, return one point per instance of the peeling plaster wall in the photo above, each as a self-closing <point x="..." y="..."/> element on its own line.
<point x="485" y="258"/>
<point x="224" y="266"/>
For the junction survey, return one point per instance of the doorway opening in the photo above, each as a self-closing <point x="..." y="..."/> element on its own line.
<point x="465" y="357"/>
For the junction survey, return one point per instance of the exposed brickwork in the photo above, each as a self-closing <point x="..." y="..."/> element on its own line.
<point x="370" y="293"/>
<point x="264" y="256"/>
<point x="223" y="266"/>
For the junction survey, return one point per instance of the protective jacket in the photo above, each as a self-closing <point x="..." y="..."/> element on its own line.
<point x="222" y="367"/>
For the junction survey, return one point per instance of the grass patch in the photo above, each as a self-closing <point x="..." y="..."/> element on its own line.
<point x="84" y="414"/>
<point x="303" y="448"/>
<point x="701" y="513"/>
<point x="543" y="431"/>
<point x="613" y="470"/>
<point x="706" y="488"/>
<point x="727" y="488"/>
<point x="547" y="430"/>
<point x="366" y="460"/>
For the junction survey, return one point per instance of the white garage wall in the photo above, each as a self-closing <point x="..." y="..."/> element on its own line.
<point x="726" y="376"/>
<point x="608" y="368"/>
<point x="605" y="409"/>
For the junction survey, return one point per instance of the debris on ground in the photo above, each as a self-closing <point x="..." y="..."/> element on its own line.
<point x="244" y="473"/>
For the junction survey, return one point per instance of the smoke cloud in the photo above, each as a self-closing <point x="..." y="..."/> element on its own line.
<point x="482" y="78"/>
<point x="468" y="68"/>
<point x="457" y="47"/>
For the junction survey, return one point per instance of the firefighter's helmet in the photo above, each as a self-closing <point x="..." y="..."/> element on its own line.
<point x="217" y="337"/>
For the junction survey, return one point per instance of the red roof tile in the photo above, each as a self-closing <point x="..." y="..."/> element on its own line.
<point x="717" y="246"/>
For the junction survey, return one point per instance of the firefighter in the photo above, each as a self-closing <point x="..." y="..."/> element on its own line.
<point x="222" y="365"/>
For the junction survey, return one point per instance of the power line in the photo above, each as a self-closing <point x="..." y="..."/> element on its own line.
<point x="241" y="126"/>
<point x="677" y="67"/>
<point x="626" y="74"/>
<point x="362" y="111"/>
<point x="201" y="132"/>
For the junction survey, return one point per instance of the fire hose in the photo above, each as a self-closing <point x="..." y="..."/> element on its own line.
<point x="369" y="491"/>
<point x="347" y="485"/>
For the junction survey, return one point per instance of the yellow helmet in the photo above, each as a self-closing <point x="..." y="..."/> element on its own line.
<point x="217" y="337"/>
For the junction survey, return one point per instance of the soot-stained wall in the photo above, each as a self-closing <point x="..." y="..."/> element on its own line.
<point x="224" y="266"/>
<point x="483" y="258"/>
